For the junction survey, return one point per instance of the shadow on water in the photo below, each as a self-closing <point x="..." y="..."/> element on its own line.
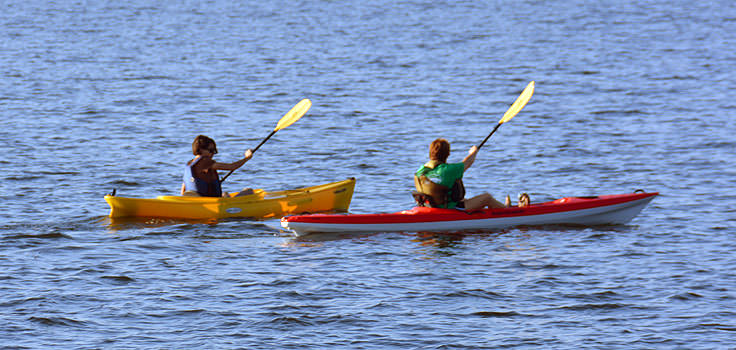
<point x="49" y="230"/>
<point x="424" y="238"/>
<point x="118" y="225"/>
<point x="328" y="237"/>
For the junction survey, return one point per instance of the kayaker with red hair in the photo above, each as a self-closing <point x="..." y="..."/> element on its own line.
<point x="200" y="174"/>
<point x="439" y="184"/>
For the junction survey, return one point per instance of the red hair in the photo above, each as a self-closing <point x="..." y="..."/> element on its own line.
<point x="439" y="150"/>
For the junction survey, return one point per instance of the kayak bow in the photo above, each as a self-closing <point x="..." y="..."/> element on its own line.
<point x="598" y="210"/>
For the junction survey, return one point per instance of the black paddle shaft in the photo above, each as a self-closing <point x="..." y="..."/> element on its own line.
<point x="254" y="151"/>
<point x="264" y="141"/>
<point x="489" y="136"/>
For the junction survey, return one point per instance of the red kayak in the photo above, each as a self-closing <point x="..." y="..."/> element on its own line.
<point x="597" y="210"/>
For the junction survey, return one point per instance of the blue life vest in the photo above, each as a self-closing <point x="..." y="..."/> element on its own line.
<point x="204" y="188"/>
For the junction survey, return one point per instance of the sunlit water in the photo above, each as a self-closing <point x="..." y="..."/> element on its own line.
<point x="95" y="97"/>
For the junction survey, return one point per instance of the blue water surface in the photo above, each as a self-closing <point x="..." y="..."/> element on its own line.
<point x="96" y="96"/>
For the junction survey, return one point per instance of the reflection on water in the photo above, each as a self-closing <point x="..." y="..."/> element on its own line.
<point x="137" y="223"/>
<point x="439" y="240"/>
<point x="328" y="236"/>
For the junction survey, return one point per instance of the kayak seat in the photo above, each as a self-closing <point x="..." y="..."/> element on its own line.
<point x="423" y="199"/>
<point x="428" y="193"/>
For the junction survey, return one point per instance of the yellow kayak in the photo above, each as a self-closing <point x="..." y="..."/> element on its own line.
<point x="334" y="196"/>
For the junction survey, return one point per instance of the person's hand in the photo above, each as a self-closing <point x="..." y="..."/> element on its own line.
<point x="248" y="153"/>
<point x="470" y="158"/>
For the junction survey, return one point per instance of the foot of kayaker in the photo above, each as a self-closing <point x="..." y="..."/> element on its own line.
<point x="244" y="192"/>
<point x="524" y="200"/>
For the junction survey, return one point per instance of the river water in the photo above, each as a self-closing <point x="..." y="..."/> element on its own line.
<point x="96" y="96"/>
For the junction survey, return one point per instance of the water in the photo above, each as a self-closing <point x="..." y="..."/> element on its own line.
<point x="637" y="94"/>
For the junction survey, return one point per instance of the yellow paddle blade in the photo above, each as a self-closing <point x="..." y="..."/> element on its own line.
<point x="519" y="103"/>
<point x="294" y="114"/>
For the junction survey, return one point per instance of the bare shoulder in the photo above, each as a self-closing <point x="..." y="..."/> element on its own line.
<point x="205" y="163"/>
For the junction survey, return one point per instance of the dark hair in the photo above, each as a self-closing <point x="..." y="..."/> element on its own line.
<point x="439" y="150"/>
<point x="203" y="142"/>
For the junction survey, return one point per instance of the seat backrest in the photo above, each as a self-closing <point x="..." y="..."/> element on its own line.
<point x="436" y="192"/>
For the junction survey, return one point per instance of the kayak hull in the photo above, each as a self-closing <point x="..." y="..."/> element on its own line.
<point x="334" y="196"/>
<point x="599" y="210"/>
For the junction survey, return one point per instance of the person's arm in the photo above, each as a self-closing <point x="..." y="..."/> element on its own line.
<point x="233" y="165"/>
<point x="470" y="158"/>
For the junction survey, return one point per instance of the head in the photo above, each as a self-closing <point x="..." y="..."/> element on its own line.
<point x="202" y="142"/>
<point x="439" y="150"/>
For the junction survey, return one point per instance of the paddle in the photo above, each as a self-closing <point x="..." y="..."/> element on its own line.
<point x="289" y="118"/>
<point x="514" y="109"/>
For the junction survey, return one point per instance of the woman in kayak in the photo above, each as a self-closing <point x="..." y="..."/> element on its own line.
<point x="200" y="173"/>
<point x="442" y="182"/>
